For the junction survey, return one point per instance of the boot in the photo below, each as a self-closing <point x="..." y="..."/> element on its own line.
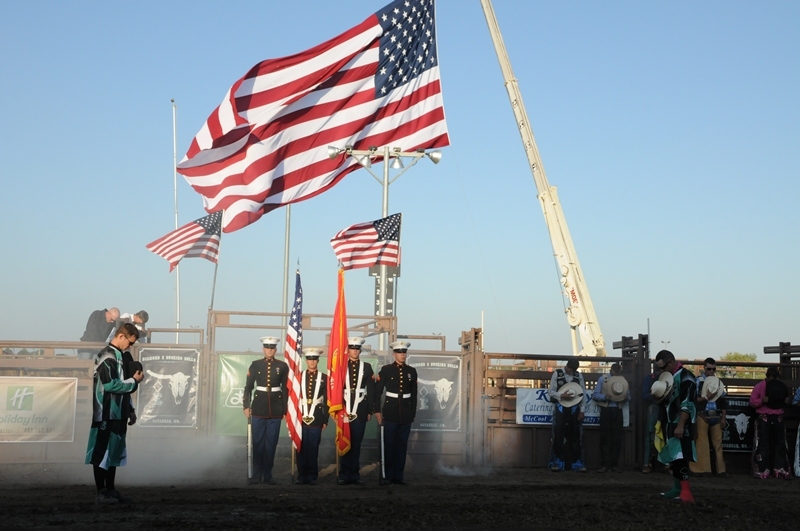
<point x="675" y="492"/>
<point x="686" y="494"/>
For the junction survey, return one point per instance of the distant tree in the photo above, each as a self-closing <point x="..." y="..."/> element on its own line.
<point x="751" y="373"/>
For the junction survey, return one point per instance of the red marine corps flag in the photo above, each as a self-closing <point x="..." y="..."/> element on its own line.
<point x="337" y="369"/>
<point x="266" y="144"/>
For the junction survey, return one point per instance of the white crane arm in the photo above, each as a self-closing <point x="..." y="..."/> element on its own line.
<point x="580" y="311"/>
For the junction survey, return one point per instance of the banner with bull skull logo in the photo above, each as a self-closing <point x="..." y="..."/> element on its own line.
<point x="168" y="393"/>
<point x="739" y="427"/>
<point x="438" y="392"/>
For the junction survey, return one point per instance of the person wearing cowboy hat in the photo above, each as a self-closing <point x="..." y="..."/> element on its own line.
<point x="267" y="377"/>
<point x="313" y="406"/>
<point x="679" y="412"/>
<point x="610" y="393"/>
<point x="711" y="405"/>
<point x="359" y="403"/>
<point x="567" y="392"/>
<point x="399" y="409"/>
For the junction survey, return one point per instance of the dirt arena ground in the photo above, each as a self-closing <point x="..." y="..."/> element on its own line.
<point x="445" y="498"/>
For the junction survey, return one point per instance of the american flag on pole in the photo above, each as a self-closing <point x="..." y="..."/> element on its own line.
<point x="198" y="239"/>
<point x="294" y="345"/>
<point x="266" y="145"/>
<point x="369" y="244"/>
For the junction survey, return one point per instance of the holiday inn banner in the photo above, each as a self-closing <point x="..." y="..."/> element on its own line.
<point x="37" y="409"/>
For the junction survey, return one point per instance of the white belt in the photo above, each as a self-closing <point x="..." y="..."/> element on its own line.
<point x="395" y="395"/>
<point x="272" y="389"/>
<point x="314" y="402"/>
<point x="361" y="394"/>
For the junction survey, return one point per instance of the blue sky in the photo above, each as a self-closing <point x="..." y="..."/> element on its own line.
<point x="670" y="129"/>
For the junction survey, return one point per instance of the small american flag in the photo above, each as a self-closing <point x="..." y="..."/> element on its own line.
<point x="266" y="144"/>
<point x="294" y="345"/>
<point x="369" y="244"/>
<point x="198" y="239"/>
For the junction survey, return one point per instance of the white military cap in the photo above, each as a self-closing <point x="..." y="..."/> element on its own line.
<point x="269" y="341"/>
<point x="400" y="346"/>
<point x="312" y="353"/>
<point x="355" y="342"/>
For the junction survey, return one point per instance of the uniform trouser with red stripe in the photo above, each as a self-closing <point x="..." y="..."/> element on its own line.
<point x="349" y="465"/>
<point x="265" y="440"/>
<point x="308" y="456"/>
<point x="395" y="440"/>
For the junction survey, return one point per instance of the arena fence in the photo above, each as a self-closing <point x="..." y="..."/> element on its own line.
<point x="468" y="413"/>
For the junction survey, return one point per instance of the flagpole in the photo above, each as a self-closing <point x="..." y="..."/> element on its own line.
<point x="216" y="266"/>
<point x="175" y="191"/>
<point x="364" y="159"/>
<point x="284" y="307"/>
<point x="286" y="296"/>
<point x="385" y="213"/>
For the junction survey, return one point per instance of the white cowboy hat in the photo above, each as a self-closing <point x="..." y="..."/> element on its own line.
<point x="662" y="387"/>
<point x="714" y="386"/>
<point x="577" y="394"/>
<point x="616" y="389"/>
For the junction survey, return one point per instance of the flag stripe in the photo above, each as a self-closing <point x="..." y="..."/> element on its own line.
<point x="266" y="144"/>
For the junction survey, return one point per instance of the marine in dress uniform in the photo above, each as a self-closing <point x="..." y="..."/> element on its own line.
<point x="267" y="377"/>
<point x="359" y="404"/>
<point x="314" y="414"/>
<point x="399" y="409"/>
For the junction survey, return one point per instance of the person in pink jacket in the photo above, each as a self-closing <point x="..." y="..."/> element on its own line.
<point x="769" y="446"/>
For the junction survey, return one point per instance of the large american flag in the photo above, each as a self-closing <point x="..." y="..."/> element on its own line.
<point x="198" y="239"/>
<point x="265" y="146"/>
<point x="369" y="244"/>
<point x="294" y="345"/>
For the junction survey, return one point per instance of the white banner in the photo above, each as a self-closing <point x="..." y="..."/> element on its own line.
<point x="534" y="407"/>
<point x="37" y="409"/>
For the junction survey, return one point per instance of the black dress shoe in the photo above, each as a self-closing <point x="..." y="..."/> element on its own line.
<point x="385" y="482"/>
<point x="270" y="482"/>
<point x="401" y="483"/>
<point x="253" y="481"/>
<point x="312" y="482"/>
<point x="341" y="482"/>
<point x="357" y="482"/>
<point x="300" y="482"/>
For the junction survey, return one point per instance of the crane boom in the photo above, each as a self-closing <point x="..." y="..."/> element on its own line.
<point x="580" y="311"/>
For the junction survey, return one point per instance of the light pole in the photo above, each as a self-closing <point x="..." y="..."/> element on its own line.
<point x="392" y="157"/>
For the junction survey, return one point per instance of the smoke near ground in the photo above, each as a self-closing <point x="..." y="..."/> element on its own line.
<point x="505" y="499"/>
